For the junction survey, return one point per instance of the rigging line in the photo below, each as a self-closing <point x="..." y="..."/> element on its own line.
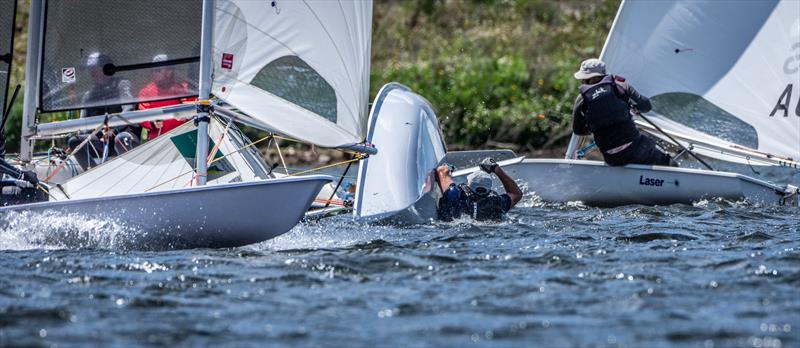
<point x="41" y="187"/>
<point x="280" y="155"/>
<point x="81" y="145"/>
<point x="338" y="202"/>
<point x="356" y="159"/>
<point x="339" y="184"/>
<point x="673" y="140"/>
<point x="212" y="162"/>
<point x="216" y="146"/>
<point x="303" y="142"/>
<point x="61" y="188"/>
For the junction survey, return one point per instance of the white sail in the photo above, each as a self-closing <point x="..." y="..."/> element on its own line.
<point x="300" y="68"/>
<point x="735" y="65"/>
<point x="161" y="164"/>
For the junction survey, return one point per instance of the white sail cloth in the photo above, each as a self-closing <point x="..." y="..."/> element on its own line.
<point x="299" y="68"/>
<point x="742" y="56"/>
<point x="159" y="165"/>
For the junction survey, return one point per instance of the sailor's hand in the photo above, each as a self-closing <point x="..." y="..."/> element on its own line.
<point x="30" y="176"/>
<point x="488" y="165"/>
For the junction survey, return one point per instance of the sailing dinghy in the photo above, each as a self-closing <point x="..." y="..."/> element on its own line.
<point x="720" y="75"/>
<point x="272" y="70"/>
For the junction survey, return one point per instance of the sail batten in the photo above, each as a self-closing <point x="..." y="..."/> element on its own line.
<point x="739" y="57"/>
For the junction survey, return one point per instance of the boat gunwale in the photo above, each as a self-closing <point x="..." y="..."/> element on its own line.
<point x="53" y="204"/>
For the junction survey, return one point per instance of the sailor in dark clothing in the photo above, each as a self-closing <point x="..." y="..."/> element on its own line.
<point x="603" y="109"/>
<point x="105" y="89"/>
<point x="476" y="198"/>
<point x="19" y="186"/>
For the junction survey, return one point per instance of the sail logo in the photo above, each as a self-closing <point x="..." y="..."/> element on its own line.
<point x="790" y="66"/>
<point x="68" y="75"/>
<point x="227" y="61"/>
<point x="599" y="92"/>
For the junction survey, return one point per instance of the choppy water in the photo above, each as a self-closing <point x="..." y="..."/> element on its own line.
<point x="710" y="275"/>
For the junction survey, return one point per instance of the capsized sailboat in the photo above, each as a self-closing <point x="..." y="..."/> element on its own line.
<point x="720" y="75"/>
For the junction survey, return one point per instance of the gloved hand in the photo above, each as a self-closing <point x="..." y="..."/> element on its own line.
<point x="488" y="165"/>
<point x="30" y="176"/>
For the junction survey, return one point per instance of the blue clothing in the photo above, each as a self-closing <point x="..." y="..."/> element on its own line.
<point x="459" y="199"/>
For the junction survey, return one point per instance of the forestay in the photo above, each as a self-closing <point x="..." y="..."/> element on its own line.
<point x="83" y="39"/>
<point x="730" y="69"/>
<point x="299" y="68"/>
<point x="166" y="163"/>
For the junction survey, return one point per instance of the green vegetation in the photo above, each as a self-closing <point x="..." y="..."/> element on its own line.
<point x="489" y="67"/>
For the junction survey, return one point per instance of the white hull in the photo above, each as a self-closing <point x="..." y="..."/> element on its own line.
<point x="597" y="184"/>
<point x="214" y="216"/>
<point x="398" y="182"/>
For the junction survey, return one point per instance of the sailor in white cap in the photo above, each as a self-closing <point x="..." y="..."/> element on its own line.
<point x="476" y="198"/>
<point x="603" y="109"/>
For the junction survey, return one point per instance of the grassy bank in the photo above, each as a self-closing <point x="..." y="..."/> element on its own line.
<point x="488" y="67"/>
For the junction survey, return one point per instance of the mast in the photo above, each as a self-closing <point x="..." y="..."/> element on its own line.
<point x="31" y="79"/>
<point x="575" y="139"/>
<point x="203" y="106"/>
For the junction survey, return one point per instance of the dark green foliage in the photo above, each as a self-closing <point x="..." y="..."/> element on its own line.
<point x="490" y="67"/>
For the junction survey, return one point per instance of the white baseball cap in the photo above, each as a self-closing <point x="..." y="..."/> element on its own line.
<point x="480" y="181"/>
<point x="590" y="68"/>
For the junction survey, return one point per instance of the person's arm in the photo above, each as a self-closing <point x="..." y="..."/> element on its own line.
<point x="445" y="180"/>
<point x="512" y="190"/>
<point x="641" y="102"/>
<point x="579" y="126"/>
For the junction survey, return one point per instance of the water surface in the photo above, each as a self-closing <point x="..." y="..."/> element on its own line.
<point x="712" y="274"/>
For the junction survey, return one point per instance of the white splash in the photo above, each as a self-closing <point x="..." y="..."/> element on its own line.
<point x="50" y="230"/>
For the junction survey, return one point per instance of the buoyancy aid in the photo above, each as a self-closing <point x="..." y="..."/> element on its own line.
<point x="608" y="114"/>
<point x="481" y="207"/>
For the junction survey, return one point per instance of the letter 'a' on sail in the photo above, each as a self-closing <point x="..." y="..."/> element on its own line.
<point x="299" y="68"/>
<point x="729" y="69"/>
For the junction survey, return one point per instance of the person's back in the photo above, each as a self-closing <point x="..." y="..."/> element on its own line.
<point x="476" y="199"/>
<point x="603" y="109"/>
<point x="164" y="85"/>
<point x="607" y="115"/>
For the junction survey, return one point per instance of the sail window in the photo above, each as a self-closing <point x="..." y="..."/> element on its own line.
<point x="700" y="114"/>
<point x="83" y="38"/>
<point x="290" y="78"/>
